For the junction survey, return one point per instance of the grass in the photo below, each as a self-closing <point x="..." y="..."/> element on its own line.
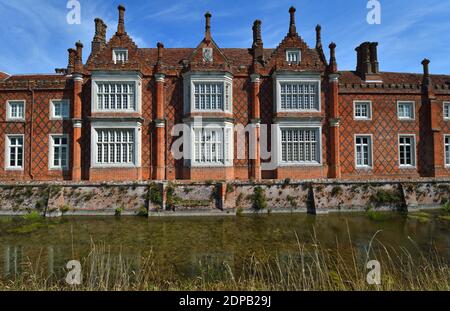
<point x="311" y="268"/>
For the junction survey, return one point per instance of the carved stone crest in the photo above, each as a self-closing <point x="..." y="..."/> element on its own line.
<point x="208" y="55"/>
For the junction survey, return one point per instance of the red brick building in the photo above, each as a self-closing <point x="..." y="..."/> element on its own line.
<point x="111" y="116"/>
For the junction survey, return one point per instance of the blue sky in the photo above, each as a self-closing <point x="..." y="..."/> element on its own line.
<point x="35" y="34"/>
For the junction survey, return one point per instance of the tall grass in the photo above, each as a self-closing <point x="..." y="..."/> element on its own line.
<point x="315" y="268"/>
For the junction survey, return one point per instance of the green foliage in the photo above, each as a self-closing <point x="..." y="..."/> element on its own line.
<point x="239" y="211"/>
<point x="375" y="215"/>
<point x="172" y="199"/>
<point x="119" y="211"/>
<point x="259" y="201"/>
<point x="32" y="217"/>
<point x="337" y="190"/>
<point x="386" y="197"/>
<point x="230" y="188"/>
<point x="154" y="195"/>
<point x="64" y="209"/>
<point x="143" y="211"/>
<point x="446" y="207"/>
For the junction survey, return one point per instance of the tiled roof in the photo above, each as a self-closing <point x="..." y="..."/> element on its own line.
<point x="3" y="76"/>
<point x="35" y="77"/>
<point x="351" y="77"/>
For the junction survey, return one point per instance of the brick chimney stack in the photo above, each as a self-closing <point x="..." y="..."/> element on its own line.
<point x="426" y="72"/>
<point x="292" y="27"/>
<point x="333" y="63"/>
<point x="71" y="61"/>
<point x="79" y="57"/>
<point x="258" y="45"/>
<point x="99" y="41"/>
<point x="318" y="37"/>
<point x="121" y="25"/>
<point x="208" y="26"/>
<point x="367" y="61"/>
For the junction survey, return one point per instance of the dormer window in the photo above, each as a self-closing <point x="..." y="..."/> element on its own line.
<point x="120" y="56"/>
<point x="293" y="56"/>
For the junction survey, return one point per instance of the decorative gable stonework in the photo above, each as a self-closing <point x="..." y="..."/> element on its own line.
<point x="297" y="112"/>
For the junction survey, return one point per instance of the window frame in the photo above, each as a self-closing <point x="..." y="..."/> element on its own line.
<point x="8" y="110"/>
<point x="299" y="56"/>
<point x="413" y="152"/>
<point x="446" y="104"/>
<point x="192" y="78"/>
<point x="52" y="152"/>
<point x="8" y="167"/>
<point x="284" y="125"/>
<point x="52" y="109"/>
<point x="111" y="125"/>
<point x="284" y="77"/>
<point x="447" y="145"/>
<point x="116" y="78"/>
<point x="119" y="50"/>
<point x="370" y="153"/>
<point x="413" y="110"/>
<point x="359" y="102"/>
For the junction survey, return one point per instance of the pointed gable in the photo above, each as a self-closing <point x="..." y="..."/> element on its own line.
<point x="310" y="59"/>
<point x="207" y="56"/>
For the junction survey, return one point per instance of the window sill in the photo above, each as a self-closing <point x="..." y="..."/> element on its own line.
<point x="15" y="120"/>
<point x="297" y="164"/>
<point x="12" y="169"/>
<point x="407" y="167"/>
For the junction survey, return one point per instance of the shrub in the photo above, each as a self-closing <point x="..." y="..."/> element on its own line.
<point x="118" y="211"/>
<point x="64" y="209"/>
<point x="33" y="216"/>
<point x="446" y="207"/>
<point x="154" y="195"/>
<point x="259" y="199"/>
<point x="143" y="211"/>
<point x="386" y="197"/>
<point x="230" y="188"/>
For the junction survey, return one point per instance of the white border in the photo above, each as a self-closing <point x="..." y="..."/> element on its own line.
<point x="299" y="55"/>
<point x="51" y="153"/>
<point x="414" y="152"/>
<point x="447" y="165"/>
<point x="52" y="109"/>
<point x="443" y="111"/>
<point x="298" y="77"/>
<point x="115" y="55"/>
<point x="7" y="145"/>
<point x="8" y="110"/>
<point x="413" y="103"/>
<point x="137" y="126"/>
<point x="360" y="101"/>
<point x="364" y="167"/>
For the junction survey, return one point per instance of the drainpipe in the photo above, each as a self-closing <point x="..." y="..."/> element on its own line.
<point x="30" y="163"/>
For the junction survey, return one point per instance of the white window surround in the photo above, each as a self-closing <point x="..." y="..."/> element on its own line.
<point x="293" y="56"/>
<point x="8" y="138"/>
<point x="105" y="125"/>
<point x="192" y="78"/>
<point x="65" y="111"/>
<point x="412" y="104"/>
<point x="116" y="77"/>
<point x="413" y="151"/>
<point x="362" y="102"/>
<point x="370" y="166"/>
<point x="446" y="110"/>
<point x="293" y="78"/>
<point x="276" y="137"/>
<point x="51" y="156"/>
<point x="227" y="134"/>
<point x="120" y="56"/>
<point x="9" y="116"/>
<point x="447" y="150"/>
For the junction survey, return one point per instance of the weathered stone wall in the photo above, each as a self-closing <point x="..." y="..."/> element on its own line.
<point x="59" y="199"/>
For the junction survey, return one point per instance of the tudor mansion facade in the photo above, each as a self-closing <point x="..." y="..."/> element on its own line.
<point x="112" y="115"/>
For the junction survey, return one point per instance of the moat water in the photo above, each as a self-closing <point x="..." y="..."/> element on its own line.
<point x="181" y="242"/>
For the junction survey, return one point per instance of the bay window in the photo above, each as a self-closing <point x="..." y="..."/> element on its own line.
<point x="297" y="92"/>
<point x="208" y="92"/>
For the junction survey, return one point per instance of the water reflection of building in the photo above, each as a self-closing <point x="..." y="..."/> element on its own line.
<point x="12" y="260"/>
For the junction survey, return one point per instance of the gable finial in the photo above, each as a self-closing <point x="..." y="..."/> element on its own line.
<point x="121" y="25"/>
<point x="208" y="26"/>
<point x="292" y="27"/>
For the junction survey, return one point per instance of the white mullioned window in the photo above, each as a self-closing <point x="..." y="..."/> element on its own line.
<point x="299" y="96"/>
<point x="59" y="148"/>
<point x="407" y="151"/>
<point x="15" y="110"/>
<point x="208" y="92"/>
<point x="60" y="109"/>
<point x="405" y="110"/>
<point x="208" y="146"/>
<point x="446" y="111"/>
<point x="120" y="56"/>
<point x="115" y="146"/>
<point x="363" y="150"/>
<point x="116" y="96"/>
<point x="293" y="56"/>
<point x="300" y="145"/>
<point x="362" y="110"/>
<point x="447" y="149"/>
<point x="208" y="96"/>
<point x="14" y="152"/>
